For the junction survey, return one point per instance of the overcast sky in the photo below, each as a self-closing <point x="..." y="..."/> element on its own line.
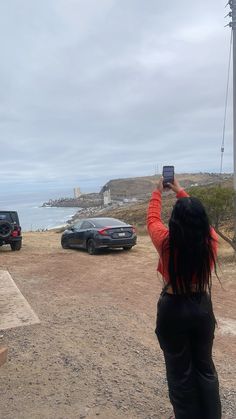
<point x="92" y="90"/>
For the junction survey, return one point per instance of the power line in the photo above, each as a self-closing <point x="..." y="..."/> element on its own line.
<point x="226" y="102"/>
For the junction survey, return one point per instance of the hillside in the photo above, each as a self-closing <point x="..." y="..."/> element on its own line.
<point x="137" y="188"/>
<point x="141" y="187"/>
<point x="135" y="213"/>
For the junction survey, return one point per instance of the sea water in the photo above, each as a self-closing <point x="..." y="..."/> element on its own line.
<point x="33" y="216"/>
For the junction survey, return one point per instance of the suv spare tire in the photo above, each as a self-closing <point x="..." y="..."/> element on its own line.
<point x="5" y="229"/>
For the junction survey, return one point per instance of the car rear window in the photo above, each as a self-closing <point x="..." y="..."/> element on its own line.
<point x="107" y="222"/>
<point x="10" y="216"/>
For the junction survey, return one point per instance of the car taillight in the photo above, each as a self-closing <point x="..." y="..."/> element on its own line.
<point x="103" y="231"/>
<point x="133" y="229"/>
<point x="16" y="232"/>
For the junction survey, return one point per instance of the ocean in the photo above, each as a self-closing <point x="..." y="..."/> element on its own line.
<point x="33" y="216"/>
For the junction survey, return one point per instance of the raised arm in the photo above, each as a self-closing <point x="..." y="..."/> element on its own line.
<point x="157" y="230"/>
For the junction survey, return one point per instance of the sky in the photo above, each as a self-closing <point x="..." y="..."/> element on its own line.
<point x="97" y="90"/>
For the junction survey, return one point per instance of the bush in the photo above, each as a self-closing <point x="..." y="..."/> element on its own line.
<point x="219" y="203"/>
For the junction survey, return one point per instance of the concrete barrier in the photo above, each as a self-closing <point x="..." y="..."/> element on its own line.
<point x="15" y="310"/>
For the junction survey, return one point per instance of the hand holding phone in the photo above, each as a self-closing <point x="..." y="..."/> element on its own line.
<point x="168" y="175"/>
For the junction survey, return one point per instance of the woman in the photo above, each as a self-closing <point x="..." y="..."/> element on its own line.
<point x="185" y="319"/>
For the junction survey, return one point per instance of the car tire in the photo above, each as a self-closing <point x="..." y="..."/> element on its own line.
<point x="91" y="247"/>
<point x="16" y="246"/>
<point x="127" y="247"/>
<point x="5" y="229"/>
<point x="64" y="245"/>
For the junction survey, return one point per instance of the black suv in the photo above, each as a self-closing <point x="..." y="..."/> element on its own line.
<point x="10" y="229"/>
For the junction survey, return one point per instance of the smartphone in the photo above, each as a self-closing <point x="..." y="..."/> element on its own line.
<point x="168" y="175"/>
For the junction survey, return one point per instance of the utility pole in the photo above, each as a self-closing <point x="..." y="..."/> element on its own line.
<point x="232" y="24"/>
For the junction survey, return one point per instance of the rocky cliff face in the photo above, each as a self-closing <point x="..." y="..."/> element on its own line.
<point x="84" y="201"/>
<point x="141" y="187"/>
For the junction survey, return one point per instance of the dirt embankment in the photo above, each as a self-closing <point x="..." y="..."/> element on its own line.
<point x="94" y="354"/>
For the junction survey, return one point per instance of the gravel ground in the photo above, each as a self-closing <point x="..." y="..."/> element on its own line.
<point x="94" y="354"/>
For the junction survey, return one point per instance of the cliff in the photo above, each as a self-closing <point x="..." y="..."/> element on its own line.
<point x="137" y="188"/>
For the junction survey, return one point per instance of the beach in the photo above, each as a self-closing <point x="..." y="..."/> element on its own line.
<point x="33" y="216"/>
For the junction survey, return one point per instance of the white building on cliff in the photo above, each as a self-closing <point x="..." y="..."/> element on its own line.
<point x="77" y="192"/>
<point x="107" y="197"/>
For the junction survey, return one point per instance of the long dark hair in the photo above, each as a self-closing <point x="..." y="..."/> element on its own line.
<point x="190" y="247"/>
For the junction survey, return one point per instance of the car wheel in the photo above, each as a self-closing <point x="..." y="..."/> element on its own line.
<point x="127" y="247"/>
<point x="64" y="245"/>
<point x="91" y="247"/>
<point x="16" y="246"/>
<point x="5" y="229"/>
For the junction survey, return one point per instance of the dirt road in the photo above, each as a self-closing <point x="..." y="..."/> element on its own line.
<point x="94" y="354"/>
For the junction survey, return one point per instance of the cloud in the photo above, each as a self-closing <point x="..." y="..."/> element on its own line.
<point x="97" y="90"/>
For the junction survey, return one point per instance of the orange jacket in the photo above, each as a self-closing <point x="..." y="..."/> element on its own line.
<point x="159" y="232"/>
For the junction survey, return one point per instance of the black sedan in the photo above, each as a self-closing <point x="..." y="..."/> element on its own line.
<point x="98" y="233"/>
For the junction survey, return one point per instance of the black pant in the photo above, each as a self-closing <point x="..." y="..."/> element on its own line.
<point x="185" y="330"/>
